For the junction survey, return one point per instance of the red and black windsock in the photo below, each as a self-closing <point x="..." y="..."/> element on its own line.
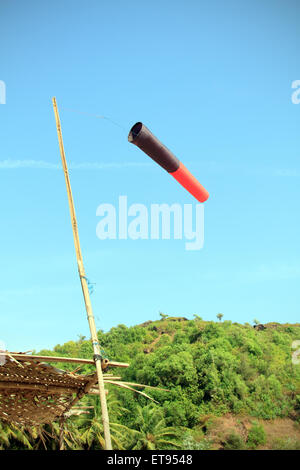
<point x="146" y="141"/>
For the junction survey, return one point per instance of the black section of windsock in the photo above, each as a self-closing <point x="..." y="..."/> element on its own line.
<point x="146" y="141"/>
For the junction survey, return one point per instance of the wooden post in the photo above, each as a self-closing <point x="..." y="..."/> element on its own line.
<point x="61" y="432"/>
<point x="85" y="290"/>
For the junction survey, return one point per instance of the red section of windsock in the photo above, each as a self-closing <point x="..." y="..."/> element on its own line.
<point x="189" y="182"/>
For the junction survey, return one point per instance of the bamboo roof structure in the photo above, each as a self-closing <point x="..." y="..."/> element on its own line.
<point x="34" y="393"/>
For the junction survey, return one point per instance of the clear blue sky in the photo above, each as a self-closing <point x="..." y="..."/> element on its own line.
<point x="213" y="80"/>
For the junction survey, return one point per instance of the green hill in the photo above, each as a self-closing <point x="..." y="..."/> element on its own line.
<point x="229" y="385"/>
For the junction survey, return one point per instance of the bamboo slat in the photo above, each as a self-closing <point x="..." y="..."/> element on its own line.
<point x="70" y="360"/>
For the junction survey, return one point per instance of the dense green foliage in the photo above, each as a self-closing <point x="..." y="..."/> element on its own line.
<point x="209" y="369"/>
<point x="256" y="436"/>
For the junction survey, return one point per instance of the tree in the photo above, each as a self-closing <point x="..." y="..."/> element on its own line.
<point x="12" y="437"/>
<point x="197" y="317"/>
<point x="81" y="338"/>
<point x="163" y="315"/>
<point x="220" y="316"/>
<point x="91" y="426"/>
<point x="152" y="431"/>
<point x="255" y="321"/>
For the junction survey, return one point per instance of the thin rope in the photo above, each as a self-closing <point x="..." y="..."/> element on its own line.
<point x="89" y="284"/>
<point x="97" y="116"/>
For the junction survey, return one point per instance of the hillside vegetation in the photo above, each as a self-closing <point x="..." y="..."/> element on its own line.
<point x="229" y="386"/>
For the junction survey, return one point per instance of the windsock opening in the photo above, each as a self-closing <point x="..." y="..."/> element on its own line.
<point x="134" y="131"/>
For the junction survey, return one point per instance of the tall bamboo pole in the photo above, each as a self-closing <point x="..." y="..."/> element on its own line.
<point x="61" y="433"/>
<point x="85" y="290"/>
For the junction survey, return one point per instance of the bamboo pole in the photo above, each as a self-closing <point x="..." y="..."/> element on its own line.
<point x="86" y="295"/>
<point x="26" y="358"/>
<point x="61" y="433"/>
<point x="8" y="385"/>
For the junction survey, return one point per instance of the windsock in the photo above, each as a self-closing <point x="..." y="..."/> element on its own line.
<point x="140" y="136"/>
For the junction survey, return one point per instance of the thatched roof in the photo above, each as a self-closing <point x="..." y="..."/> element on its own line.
<point x="33" y="393"/>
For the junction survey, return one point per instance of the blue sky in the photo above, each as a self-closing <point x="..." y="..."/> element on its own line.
<point x="212" y="80"/>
